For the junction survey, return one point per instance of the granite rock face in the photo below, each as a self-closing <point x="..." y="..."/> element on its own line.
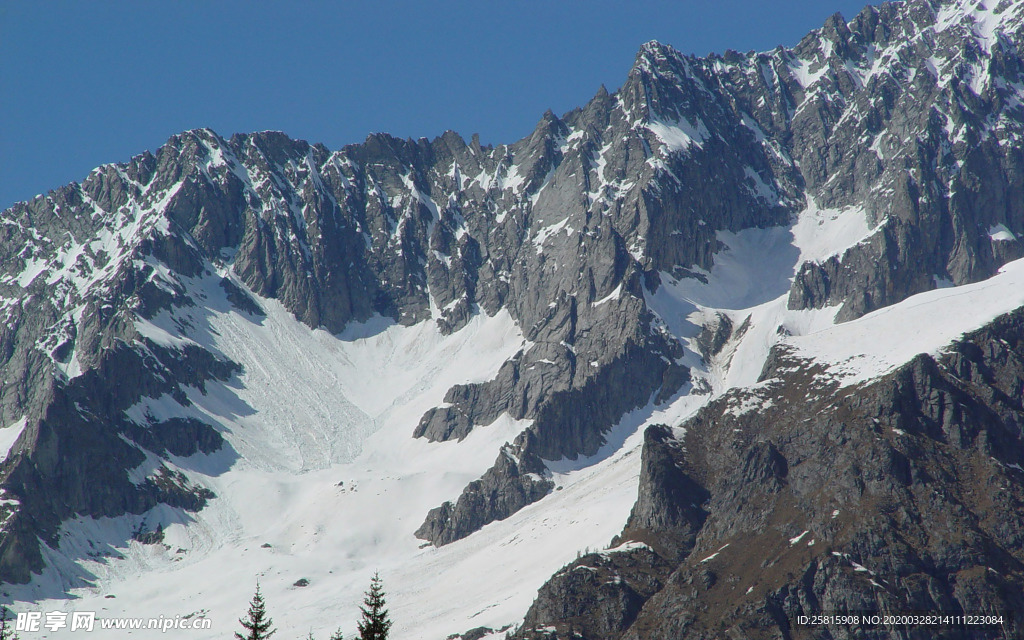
<point x="911" y="112"/>
<point x="597" y="596"/>
<point x="902" y="494"/>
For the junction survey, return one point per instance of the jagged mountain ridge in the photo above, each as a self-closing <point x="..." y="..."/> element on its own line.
<point x="570" y="230"/>
<point x="195" y="181"/>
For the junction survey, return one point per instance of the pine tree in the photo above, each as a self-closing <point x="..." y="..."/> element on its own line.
<point x="7" y="625"/>
<point x="375" y="623"/>
<point x="256" y="623"/>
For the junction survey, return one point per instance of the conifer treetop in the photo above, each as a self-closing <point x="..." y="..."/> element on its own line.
<point x="257" y="624"/>
<point x="375" y="623"/>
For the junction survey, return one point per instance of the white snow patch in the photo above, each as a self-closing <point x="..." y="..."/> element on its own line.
<point x="160" y="330"/>
<point x="761" y="189"/>
<point x="679" y="135"/>
<point x="614" y="295"/>
<point x="876" y="146"/>
<point x="420" y="197"/>
<point x="514" y="180"/>
<point x="628" y="545"/>
<point x="801" y="70"/>
<point x="714" y="555"/>
<point x="979" y="18"/>
<point x="9" y="435"/>
<point x="822" y="233"/>
<point x="32" y="269"/>
<point x="750" y="282"/>
<point x="880" y="341"/>
<point x="751" y="124"/>
<point x="999" y="233"/>
<point x="546" y="232"/>
<point x="747" y="403"/>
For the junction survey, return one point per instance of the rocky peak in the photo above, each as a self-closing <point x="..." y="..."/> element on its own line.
<point x="911" y="114"/>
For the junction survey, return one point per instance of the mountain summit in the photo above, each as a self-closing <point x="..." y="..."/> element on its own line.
<point x="749" y="326"/>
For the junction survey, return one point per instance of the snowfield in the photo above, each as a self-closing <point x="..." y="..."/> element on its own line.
<point x="323" y="481"/>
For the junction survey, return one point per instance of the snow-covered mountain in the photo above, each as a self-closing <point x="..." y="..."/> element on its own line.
<point x="738" y="342"/>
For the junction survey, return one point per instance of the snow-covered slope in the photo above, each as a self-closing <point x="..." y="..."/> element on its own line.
<point x="624" y="266"/>
<point x="329" y="486"/>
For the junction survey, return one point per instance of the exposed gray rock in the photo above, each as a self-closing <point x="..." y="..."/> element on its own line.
<point x="597" y="596"/>
<point x="476" y="633"/>
<point x="937" y="171"/>
<point x="714" y="335"/>
<point x="156" y="536"/>
<point x="511" y="484"/>
<point x="569" y="424"/>
<point x="898" y="495"/>
<point x="567" y="230"/>
<point x="242" y="300"/>
<point x="669" y="511"/>
<point x="74" y="459"/>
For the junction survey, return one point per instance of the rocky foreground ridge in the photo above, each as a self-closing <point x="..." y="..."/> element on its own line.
<point x="745" y="525"/>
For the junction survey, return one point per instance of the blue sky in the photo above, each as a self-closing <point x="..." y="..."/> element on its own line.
<point x="85" y="83"/>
